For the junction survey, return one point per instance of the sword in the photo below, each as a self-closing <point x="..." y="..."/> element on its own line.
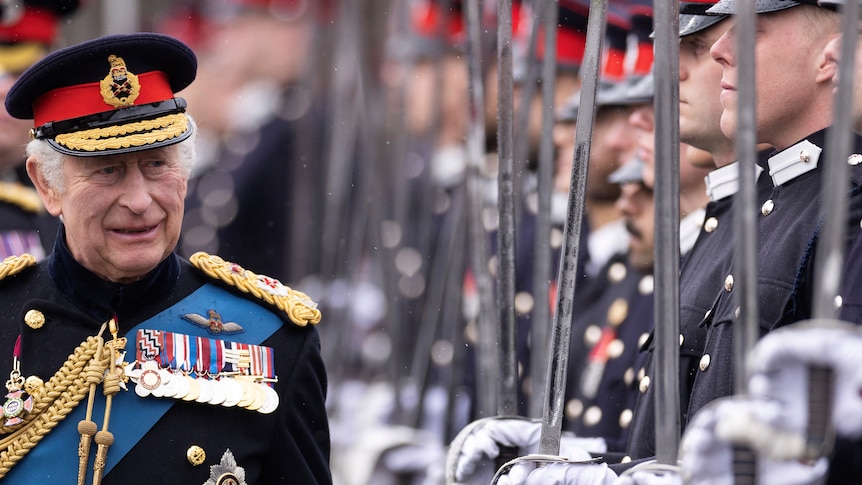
<point x="539" y="331"/>
<point x="666" y="103"/>
<point x="508" y="392"/>
<point x="552" y="413"/>
<point x="487" y="324"/>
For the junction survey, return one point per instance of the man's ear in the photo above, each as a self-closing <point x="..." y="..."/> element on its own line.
<point x="49" y="195"/>
<point x="827" y="69"/>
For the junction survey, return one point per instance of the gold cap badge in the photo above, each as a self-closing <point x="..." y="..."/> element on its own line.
<point x="120" y="88"/>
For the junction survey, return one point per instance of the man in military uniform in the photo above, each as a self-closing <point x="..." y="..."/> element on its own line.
<point x="125" y="361"/>
<point x="27" y="31"/>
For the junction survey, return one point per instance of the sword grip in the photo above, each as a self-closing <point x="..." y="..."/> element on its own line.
<point x="507" y="454"/>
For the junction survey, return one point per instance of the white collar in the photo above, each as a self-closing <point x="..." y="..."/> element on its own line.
<point x="794" y="161"/>
<point x="724" y="181"/>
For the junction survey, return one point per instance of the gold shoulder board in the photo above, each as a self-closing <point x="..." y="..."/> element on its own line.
<point x="24" y="197"/>
<point x="297" y="305"/>
<point x="15" y="264"/>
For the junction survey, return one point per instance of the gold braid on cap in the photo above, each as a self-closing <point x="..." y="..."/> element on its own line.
<point x="297" y="305"/>
<point x="54" y="401"/>
<point x="134" y="134"/>
<point x="15" y="264"/>
<point x="21" y="196"/>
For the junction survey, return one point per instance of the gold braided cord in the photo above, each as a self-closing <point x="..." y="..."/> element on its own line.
<point x="297" y="305"/>
<point x="135" y="134"/>
<point x="15" y="264"/>
<point x="66" y="388"/>
<point x="22" y="196"/>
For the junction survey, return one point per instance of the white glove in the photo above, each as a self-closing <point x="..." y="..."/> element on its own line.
<point x="651" y="473"/>
<point x="778" y="367"/>
<point x="530" y="472"/>
<point x="478" y="444"/>
<point x="707" y="445"/>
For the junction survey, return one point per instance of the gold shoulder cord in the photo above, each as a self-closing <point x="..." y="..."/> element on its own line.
<point x="297" y="305"/>
<point x="15" y="264"/>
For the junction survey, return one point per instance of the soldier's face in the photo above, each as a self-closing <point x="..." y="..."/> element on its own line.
<point x="793" y="81"/>
<point x="700" y="89"/>
<point x="122" y="213"/>
<point x="637" y="205"/>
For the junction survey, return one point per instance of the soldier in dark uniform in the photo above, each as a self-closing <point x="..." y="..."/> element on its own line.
<point x="124" y="360"/>
<point x="603" y="359"/>
<point x="27" y="32"/>
<point x="788" y="223"/>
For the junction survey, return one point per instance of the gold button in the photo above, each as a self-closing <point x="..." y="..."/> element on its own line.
<point x="196" y="455"/>
<point x="641" y="373"/>
<point x="523" y="302"/>
<point x="704" y="362"/>
<point x="629" y="376"/>
<point x="618" y="311"/>
<point x="642" y="339"/>
<point x="34" y="319"/>
<point x="728" y="282"/>
<point x="592" y="416"/>
<point x="617" y="272"/>
<point x="592" y="334"/>
<point x="804" y="157"/>
<point x="644" y="384"/>
<point x="625" y="418"/>
<point x="574" y="408"/>
<point x="710" y="225"/>
<point x="616" y="348"/>
<point x="767" y="207"/>
<point x="646" y="285"/>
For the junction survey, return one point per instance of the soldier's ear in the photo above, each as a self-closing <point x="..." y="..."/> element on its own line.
<point x="49" y="195"/>
<point x="827" y="68"/>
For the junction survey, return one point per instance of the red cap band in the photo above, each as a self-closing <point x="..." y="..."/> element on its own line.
<point x="570" y="46"/>
<point x="34" y="26"/>
<point x="86" y="99"/>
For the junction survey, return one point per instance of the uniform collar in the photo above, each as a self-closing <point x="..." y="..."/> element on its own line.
<point x="796" y="160"/>
<point x="724" y="181"/>
<point x="100" y="298"/>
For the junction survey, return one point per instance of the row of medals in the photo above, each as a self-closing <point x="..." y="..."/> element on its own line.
<point x="225" y="390"/>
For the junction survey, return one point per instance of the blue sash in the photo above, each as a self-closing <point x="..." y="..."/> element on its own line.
<point x="55" y="458"/>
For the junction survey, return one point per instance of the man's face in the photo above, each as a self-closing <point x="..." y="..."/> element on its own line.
<point x="643" y="119"/>
<point x="637" y="206"/>
<point x="122" y="213"/>
<point x="789" y="76"/>
<point x="613" y="141"/>
<point x="14" y="133"/>
<point x="700" y="88"/>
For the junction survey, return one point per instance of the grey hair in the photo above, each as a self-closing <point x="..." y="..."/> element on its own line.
<point x="50" y="161"/>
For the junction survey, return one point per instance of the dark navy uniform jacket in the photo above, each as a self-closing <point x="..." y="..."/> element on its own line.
<point x="290" y="445"/>
<point x="601" y="391"/>
<point x="788" y="228"/>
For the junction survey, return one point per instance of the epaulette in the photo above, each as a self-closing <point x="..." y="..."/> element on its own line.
<point x="296" y="305"/>
<point x="22" y="196"/>
<point x="15" y="264"/>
